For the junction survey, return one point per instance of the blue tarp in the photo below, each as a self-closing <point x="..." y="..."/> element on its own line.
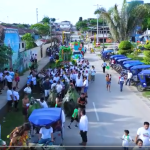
<point x="108" y="51"/>
<point x="145" y="72"/>
<point x="133" y="64"/>
<point x="45" y="116"/>
<point x="140" y="67"/>
<point x="125" y="59"/>
<point x="130" y="61"/>
<point x="117" y="56"/>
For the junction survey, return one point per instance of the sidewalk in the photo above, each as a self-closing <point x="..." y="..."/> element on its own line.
<point x="41" y="64"/>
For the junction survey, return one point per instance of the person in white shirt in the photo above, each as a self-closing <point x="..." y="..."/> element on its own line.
<point x="34" y="82"/>
<point x="121" y="82"/>
<point x="56" y="78"/>
<point x="129" y="77"/>
<point x="93" y="72"/>
<point x="46" y="135"/>
<point x="16" y="98"/>
<point x="143" y="133"/>
<point x="83" y="127"/>
<point x="9" y="79"/>
<point x="79" y="83"/>
<point x="104" y="66"/>
<point x="126" y="139"/>
<point x="59" y="87"/>
<point x="9" y="98"/>
<point x="43" y="103"/>
<point x="28" y="90"/>
<point x="54" y="84"/>
<point x="85" y="86"/>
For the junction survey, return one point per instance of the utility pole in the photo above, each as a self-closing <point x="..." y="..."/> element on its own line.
<point x="37" y="14"/>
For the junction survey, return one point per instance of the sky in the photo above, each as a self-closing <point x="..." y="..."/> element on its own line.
<point x="24" y="11"/>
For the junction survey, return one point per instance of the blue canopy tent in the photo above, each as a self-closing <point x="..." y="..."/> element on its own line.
<point x="116" y="56"/>
<point x="125" y="59"/>
<point x="129" y="65"/>
<point x="136" y="69"/>
<point x="45" y="116"/>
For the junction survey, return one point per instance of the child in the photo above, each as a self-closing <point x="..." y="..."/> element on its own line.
<point x="74" y="117"/>
<point x="126" y="138"/>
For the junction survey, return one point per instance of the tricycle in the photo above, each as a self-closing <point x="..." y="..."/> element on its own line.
<point x="144" y="80"/>
<point x="47" y="117"/>
<point x="105" y="55"/>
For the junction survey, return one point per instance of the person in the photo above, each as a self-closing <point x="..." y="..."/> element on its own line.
<point x="34" y="82"/>
<point x="82" y="101"/>
<point x="126" y="138"/>
<point x="108" y="82"/>
<point x="121" y="82"/>
<point x="139" y="145"/>
<point x="85" y="86"/>
<point x="25" y="106"/>
<point x="143" y="133"/>
<point x="112" y="63"/>
<point x="79" y="83"/>
<point x="74" y="117"/>
<point x="57" y="101"/>
<point x="16" y="98"/>
<point x="43" y="103"/>
<point x="9" y="98"/>
<point x="19" y="136"/>
<point x="129" y="77"/>
<point x="93" y="72"/>
<point x="54" y="84"/>
<point x="35" y="58"/>
<point x="59" y="87"/>
<point x="17" y="78"/>
<point x="83" y="126"/>
<point x="9" y="80"/>
<point x="11" y="72"/>
<point x="46" y="135"/>
<point x="1" y="81"/>
<point x="28" y="90"/>
<point x="46" y="86"/>
<point x="104" y="66"/>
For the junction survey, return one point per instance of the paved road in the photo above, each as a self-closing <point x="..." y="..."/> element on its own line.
<point x="110" y="113"/>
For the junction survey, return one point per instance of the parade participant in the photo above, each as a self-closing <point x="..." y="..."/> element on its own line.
<point x="82" y="101"/>
<point x="83" y="126"/>
<point x="9" y="79"/>
<point x="25" y="106"/>
<point x="17" y="78"/>
<point x="46" y="135"/>
<point x="74" y="117"/>
<point x="121" y="82"/>
<point x="85" y="86"/>
<point x="46" y="86"/>
<point x="126" y="138"/>
<point x="19" y="136"/>
<point x="79" y="83"/>
<point x="93" y="72"/>
<point x="139" y="145"/>
<point x="43" y="103"/>
<point x="16" y="98"/>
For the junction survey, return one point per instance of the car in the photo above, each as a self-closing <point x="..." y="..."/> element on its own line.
<point x="77" y="54"/>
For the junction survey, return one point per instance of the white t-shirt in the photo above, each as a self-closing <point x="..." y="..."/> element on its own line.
<point x="104" y="64"/>
<point x="8" y="78"/>
<point x="28" y="90"/>
<point x="44" y="104"/>
<point x="59" y="88"/>
<point x="144" y="135"/>
<point x="16" y="94"/>
<point x="9" y="93"/>
<point x="54" y="84"/>
<point x="56" y="79"/>
<point x="79" y="82"/>
<point x="129" y="75"/>
<point x="46" y="133"/>
<point x="83" y="124"/>
<point x="34" y="80"/>
<point x="85" y="83"/>
<point x="122" y="79"/>
<point x="126" y="140"/>
<point x="93" y="72"/>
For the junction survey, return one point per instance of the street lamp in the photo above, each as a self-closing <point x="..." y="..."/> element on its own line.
<point x="97" y="21"/>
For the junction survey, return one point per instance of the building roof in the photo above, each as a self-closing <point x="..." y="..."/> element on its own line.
<point x="20" y="30"/>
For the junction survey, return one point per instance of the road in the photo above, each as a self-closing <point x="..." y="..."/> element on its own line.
<point x="109" y="113"/>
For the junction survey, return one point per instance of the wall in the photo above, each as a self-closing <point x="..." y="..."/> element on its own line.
<point x="23" y="62"/>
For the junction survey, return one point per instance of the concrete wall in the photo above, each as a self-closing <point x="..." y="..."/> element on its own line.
<point x="23" y="61"/>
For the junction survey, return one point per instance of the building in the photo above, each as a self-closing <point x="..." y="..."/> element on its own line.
<point x="137" y="1"/>
<point x="65" y="25"/>
<point x="104" y="33"/>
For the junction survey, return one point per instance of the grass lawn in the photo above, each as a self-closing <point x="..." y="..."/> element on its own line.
<point x="12" y="120"/>
<point x="146" y="94"/>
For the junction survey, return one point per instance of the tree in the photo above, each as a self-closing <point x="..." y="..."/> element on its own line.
<point x="82" y="25"/>
<point x="125" y="47"/>
<point x="93" y="22"/>
<point x="42" y="29"/>
<point x="5" y="54"/>
<point x="122" y="23"/>
<point x="146" y="23"/>
<point x="147" y="53"/>
<point x="46" y="20"/>
<point x="28" y="40"/>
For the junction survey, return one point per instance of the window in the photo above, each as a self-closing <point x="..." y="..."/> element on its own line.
<point x="22" y="45"/>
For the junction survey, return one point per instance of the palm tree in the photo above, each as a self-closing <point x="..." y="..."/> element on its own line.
<point x="123" y="22"/>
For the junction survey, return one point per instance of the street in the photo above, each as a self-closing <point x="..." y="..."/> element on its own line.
<point x="109" y="113"/>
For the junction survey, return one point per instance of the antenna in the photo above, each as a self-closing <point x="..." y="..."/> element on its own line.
<point x="37" y="14"/>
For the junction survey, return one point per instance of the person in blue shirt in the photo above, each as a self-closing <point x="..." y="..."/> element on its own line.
<point x="29" y="80"/>
<point x="12" y="73"/>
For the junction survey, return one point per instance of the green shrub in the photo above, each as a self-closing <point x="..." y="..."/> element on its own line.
<point x="125" y="47"/>
<point x="135" y="57"/>
<point x="147" y="53"/>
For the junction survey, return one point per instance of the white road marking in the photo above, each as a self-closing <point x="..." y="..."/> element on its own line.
<point x="97" y="117"/>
